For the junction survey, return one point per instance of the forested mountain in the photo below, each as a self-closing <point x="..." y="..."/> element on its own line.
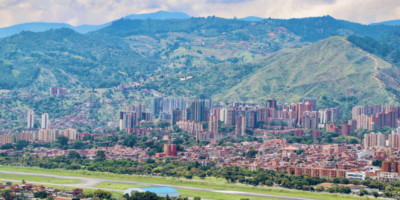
<point x="317" y="28"/>
<point x="228" y="58"/>
<point x="331" y="68"/>
<point x="65" y="58"/>
<point x="33" y="27"/>
<point x="159" y="15"/>
<point x="387" y="47"/>
<point x="44" y="26"/>
<point x="389" y="23"/>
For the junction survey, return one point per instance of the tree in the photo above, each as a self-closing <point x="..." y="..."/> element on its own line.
<point x="73" y="166"/>
<point x="7" y="194"/>
<point x="331" y="189"/>
<point x="340" y="180"/>
<point x="130" y="140"/>
<point x="62" y="140"/>
<point x="197" y="198"/>
<point x="102" y="194"/>
<point x="375" y="194"/>
<point x="389" y="191"/>
<point x="269" y="183"/>
<point x="203" y="175"/>
<point x="251" y="153"/>
<point x="344" y="190"/>
<point x="182" y="198"/>
<point x="40" y="194"/>
<point x="377" y="163"/>
<point x="320" y="188"/>
<point x="74" y="155"/>
<point x="363" y="192"/>
<point x="150" y="161"/>
<point x="101" y="155"/>
<point x="141" y="196"/>
<point x="21" y="144"/>
<point x="78" y="145"/>
<point x="7" y="146"/>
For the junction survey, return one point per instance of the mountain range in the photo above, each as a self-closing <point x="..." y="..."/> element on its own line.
<point x="247" y="59"/>
<point x="43" y="26"/>
<point x="159" y="15"/>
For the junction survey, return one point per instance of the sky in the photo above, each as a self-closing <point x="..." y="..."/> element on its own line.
<point x="77" y="12"/>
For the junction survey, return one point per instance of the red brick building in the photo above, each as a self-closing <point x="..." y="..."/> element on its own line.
<point x="332" y="128"/>
<point x="316" y="134"/>
<point x="346" y="129"/>
<point x="315" y="172"/>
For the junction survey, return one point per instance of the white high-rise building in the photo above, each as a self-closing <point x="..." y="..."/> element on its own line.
<point x="45" y="121"/>
<point x="31" y="119"/>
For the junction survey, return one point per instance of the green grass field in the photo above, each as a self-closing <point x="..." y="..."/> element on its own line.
<point x="221" y="196"/>
<point x="183" y="192"/>
<point x="117" y="195"/>
<point x="28" y="178"/>
<point x="118" y="186"/>
<point x="218" y="196"/>
<point x="188" y="183"/>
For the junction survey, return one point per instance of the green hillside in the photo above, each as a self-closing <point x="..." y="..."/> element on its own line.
<point x="332" y="68"/>
<point x="228" y="59"/>
<point x="63" y="57"/>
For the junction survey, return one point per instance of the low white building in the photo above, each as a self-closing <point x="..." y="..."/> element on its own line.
<point x="388" y="176"/>
<point x="365" y="154"/>
<point x="356" y="175"/>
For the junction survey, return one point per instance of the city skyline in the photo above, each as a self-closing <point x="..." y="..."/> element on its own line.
<point x="298" y="101"/>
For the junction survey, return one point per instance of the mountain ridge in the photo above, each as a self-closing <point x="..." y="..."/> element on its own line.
<point x="159" y="15"/>
<point x="330" y="69"/>
<point x="353" y="62"/>
<point x="85" y="28"/>
<point x="395" y="22"/>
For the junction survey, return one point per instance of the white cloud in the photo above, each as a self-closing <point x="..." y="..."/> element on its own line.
<point x="78" y="12"/>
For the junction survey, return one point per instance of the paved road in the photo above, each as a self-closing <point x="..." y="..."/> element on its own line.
<point x="89" y="183"/>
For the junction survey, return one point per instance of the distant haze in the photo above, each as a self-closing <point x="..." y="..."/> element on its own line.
<point x="78" y="12"/>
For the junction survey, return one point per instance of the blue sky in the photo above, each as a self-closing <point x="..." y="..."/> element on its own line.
<point x="77" y="12"/>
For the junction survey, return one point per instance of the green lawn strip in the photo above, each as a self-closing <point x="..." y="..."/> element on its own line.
<point x="222" y="196"/>
<point x="218" y="196"/>
<point x="117" y="186"/>
<point x="183" y="182"/>
<point x="39" y="179"/>
<point x="183" y="192"/>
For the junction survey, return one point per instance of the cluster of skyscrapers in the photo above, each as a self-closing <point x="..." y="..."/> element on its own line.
<point x="132" y="116"/>
<point x="176" y="109"/>
<point x="373" y="117"/>
<point x="303" y="115"/>
<point x="374" y="140"/>
<point x="191" y="114"/>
